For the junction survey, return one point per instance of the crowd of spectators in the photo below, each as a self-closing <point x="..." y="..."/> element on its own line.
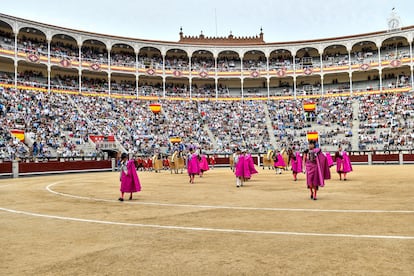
<point x="281" y="62"/>
<point x="236" y="123"/>
<point x="31" y="45"/>
<point x="154" y="62"/>
<point x="52" y="125"/>
<point x="63" y="50"/>
<point x="332" y="119"/>
<point x="179" y="63"/>
<point x="335" y="60"/>
<point x="6" y="40"/>
<point x="95" y="54"/>
<point x="395" y="51"/>
<point x="123" y="58"/>
<point x="202" y="64"/>
<point x="60" y="123"/>
<point x="387" y="121"/>
<point x="376" y="114"/>
<point x="228" y="64"/>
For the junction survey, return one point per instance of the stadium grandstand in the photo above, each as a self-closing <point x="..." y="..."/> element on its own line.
<point x="71" y="93"/>
<point x="206" y="155"/>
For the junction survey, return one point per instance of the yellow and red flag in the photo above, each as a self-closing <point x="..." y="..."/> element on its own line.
<point x="309" y="106"/>
<point x="155" y="108"/>
<point x="19" y="134"/>
<point x="312" y="135"/>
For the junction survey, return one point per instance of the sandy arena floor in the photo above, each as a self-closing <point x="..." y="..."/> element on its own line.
<point x="73" y="225"/>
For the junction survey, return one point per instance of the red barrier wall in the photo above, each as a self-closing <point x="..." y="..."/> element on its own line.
<point x="222" y="161"/>
<point x="56" y="166"/>
<point x="63" y="166"/>
<point x="408" y="157"/>
<point x="6" y="167"/>
<point x="359" y="158"/>
<point x="385" y="157"/>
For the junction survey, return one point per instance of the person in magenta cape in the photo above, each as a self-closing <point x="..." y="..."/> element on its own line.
<point x="317" y="169"/>
<point x="203" y="164"/>
<point x="279" y="163"/>
<point x="250" y="164"/>
<point x="296" y="162"/>
<point x="343" y="163"/>
<point x="129" y="178"/>
<point x="193" y="166"/>
<point x="242" y="171"/>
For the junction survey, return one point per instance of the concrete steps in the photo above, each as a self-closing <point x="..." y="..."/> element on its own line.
<point x="269" y="127"/>
<point x="355" y="125"/>
<point x="210" y="135"/>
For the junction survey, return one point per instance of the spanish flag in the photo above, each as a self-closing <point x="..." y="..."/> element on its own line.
<point x="155" y="108"/>
<point x="19" y="134"/>
<point x="312" y="135"/>
<point x="309" y="106"/>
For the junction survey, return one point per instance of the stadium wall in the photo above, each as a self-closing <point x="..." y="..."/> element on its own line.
<point x="53" y="167"/>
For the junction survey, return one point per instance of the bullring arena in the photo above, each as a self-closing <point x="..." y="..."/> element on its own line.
<point x="73" y="224"/>
<point x="72" y="101"/>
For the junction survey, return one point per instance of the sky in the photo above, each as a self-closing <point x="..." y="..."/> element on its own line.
<point x="282" y="21"/>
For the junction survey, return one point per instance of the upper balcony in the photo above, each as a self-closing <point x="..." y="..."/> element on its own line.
<point x="200" y="56"/>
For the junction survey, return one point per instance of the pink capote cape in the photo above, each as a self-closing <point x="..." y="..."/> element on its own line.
<point x="193" y="165"/>
<point x="329" y="159"/>
<point x="297" y="164"/>
<point x="343" y="165"/>
<point x="242" y="168"/>
<point x="250" y="164"/>
<point x="316" y="174"/>
<point x="203" y="164"/>
<point x="280" y="163"/>
<point x="130" y="182"/>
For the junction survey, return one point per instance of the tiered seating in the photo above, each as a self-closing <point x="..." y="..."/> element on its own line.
<point x="236" y="123"/>
<point x="60" y="123"/>
<point x="376" y="116"/>
<point x="49" y="120"/>
<point x="186" y="121"/>
<point x="332" y="120"/>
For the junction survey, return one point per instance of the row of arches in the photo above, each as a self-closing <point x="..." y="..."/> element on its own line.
<point x="100" y="82"/>
<point x="178" y="58"/>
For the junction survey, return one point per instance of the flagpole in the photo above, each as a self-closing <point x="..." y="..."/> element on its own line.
<point x="215" y="19"/>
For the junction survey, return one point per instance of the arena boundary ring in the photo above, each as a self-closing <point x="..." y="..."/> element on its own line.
<point x="48" y="188"/>
<point x="210" y="229"/>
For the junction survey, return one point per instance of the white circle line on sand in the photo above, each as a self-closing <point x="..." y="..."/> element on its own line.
<point x="206" y="229"/>
<point x="48" y="188"/>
